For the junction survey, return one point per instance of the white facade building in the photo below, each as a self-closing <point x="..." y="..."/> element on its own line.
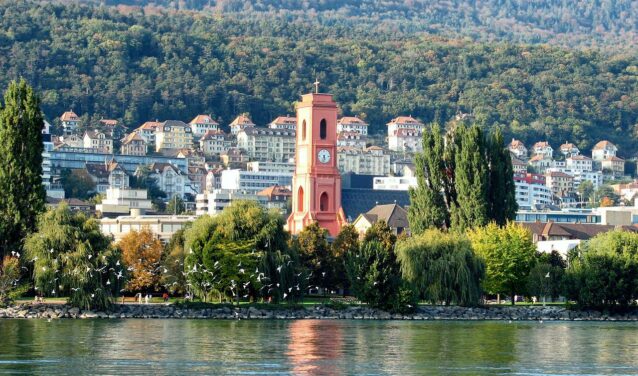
<point x="202" y="124"/>
<point x="162" y="226"/>
<point x="252" y="182"/>
<point x="528" y="194"/>
<point x="370" y="161"/>
<point x="404" y="134"/>
<point x="284" y="122"/>
<point x="394" y="183"/>
<point x="271" y="167"/>
<point x="267" y="144"/>
<point x="122" y="200"/>
<point x="352" y="124"/>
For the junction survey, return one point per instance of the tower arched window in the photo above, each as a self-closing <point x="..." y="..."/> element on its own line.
<point x="303" y="131"/>
<point x="324" y="203"/>
<point x="323" y="129"/>
<point x="300" y="199"/>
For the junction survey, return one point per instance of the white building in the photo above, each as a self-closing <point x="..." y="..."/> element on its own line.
<point x="122" y="200"/>
<point x="253" y="182"/>
<point x="202" y="124"/>
<point x="162" y="226"/>
<point x="404" y="134"/>
<point x="579" y="163"/>
<point x="240" y="122"/>
<point x="569" y="150"/>
<point x="271" y="167"/>
<point x="529" y="194"/>
<point x="352" y="139"/>
<point x="214" y="202"/>
<point x="147" y="131"/>
<point x="370" y="161"/>
<point x="543" y="149"/>
<point x="284" y="122"/>
<point x="215" y="143"/>
<point x="70" y="122"/>
<point x="352" y="124"/>
<point x="170" y="179"/>
<point x="518" y="149"/>
<point x="52" y="189"/>
<point x="267" y="144"/>
<point x="99" y="141"/>
<point x="603" y="150"/>
<point x="394" y="183"/>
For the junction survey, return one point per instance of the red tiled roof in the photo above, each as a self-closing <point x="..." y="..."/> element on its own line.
<point x="275" y="190"/>
<point x="613" y="159"/>
<point x="284" y="120"/>
<point x="69" y="115"/>
<point x="150" y="125"/>
<point x="109" y="122"/>
<point x="242" y="120"/>
<point x="405" y="120"/>
<point x="603" y="145"/>
<point x="346" y="120"/>
<point x="516" y="143"/>
<point x="541" y="144"/>
<point x="133" y="136"/>
<point x="203" y="119"/>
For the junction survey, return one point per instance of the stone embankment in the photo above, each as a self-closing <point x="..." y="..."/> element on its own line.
<point x="160" y="311"/>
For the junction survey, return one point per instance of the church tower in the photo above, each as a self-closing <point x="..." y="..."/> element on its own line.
<point x="316" y="185"/>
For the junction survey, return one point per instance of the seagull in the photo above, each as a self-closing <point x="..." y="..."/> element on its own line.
<point x="117" y="263"/>
<point x="241" y="271"/>
<point x="279" y="268"/>
<point x="75" y="289"/>
<point x="285" y="295"/>
<point x="108" y="282"/>
<point x="51" y="250"/>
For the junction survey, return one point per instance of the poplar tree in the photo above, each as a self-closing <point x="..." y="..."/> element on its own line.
<point x="427" y="204"/>
<point x="22" y="195"/>
<point x="471" y="181"/>
<point x="502" y="191"/>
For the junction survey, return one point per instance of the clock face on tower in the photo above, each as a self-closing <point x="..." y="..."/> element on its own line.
<point x="323" y="156"/>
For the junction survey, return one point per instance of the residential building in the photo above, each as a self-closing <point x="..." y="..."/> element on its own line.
<point x="540" y="163"/>
<point x="543" y="149"/>
<point x="267" y="144"/>
<point x="271" y="167"/>
<point x="106" y="175"/>
<point x="70" y="122"/>
<point x="613" y="167"/>
<point x="99" y="141"/>
<point x="627" y="191"/>
<point x="603" y="150"/>
<point x="172" y="135"/>
<point x="560" y="183"/>
<point x="74" y="204"/>
<point x="284" y="122"/>
<point x="518" y="165"/>
<point x="530" y="190"/>
<point x="404" y="134"/>
<point x="393" y="215"/>
<point x="133" y="144"/>
<point x="352" y="124"/>
<point x="398" y="166"/>
<point x="352" y="139"/>
<point x="147" y="131"/>
<point x="53" y="189"/>
<point x="558" y="216"/>
<point x="233" y="157"/>
<point x="569" y="150"/>
<point x="370" y="161"/>
<point x="215" y="201"/>
<point x="214" y="143"/>
<point x="240" y="122"/>
<point x="518" y="149"/>
<point x="579" y="163"/>
<point x="170" y="179"/>
<point x="253" y="182"/>
<point x="202" y="124"/>
<point x="162" y="226"/>
<point x="394" y="183"/>
<point x="119" y="201"/>
<point x="277" y="197"/>
<point x="113" y="129"/>
<point x="73" y="141"/>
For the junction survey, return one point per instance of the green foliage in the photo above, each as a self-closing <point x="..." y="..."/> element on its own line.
<point x="605" y="274"/>
<point x="586" y="190"/>
<point x="464" y="179"/>
<point x="173" y="258"/>
<point x="175" y="206"/>
<point x="77" y="183"/>
<point x="375" y="277"/>
<point x="442" y="267"/>
<point x="23" y="194"/>
<point x="347" y="241"/>
<point x="159" y="66"/>
<point x="71" y="257"/>
<point x="10" y="286"/>
<point x="143" y="180"/>
<point x="241" y="253"/>
<point x="545" y="280"/>
<point x="508" y="253"/>
<point x="382" y="233"/>
<point x="316" y="255"/>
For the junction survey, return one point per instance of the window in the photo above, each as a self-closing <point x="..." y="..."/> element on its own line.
<point x="322" y="129"/>
<point x="303" y="131"/>
<point x="300" y="198"/>
<point x="323" y="202"/>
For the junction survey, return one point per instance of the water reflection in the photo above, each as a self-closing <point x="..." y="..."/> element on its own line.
<point x="314" y="347"/>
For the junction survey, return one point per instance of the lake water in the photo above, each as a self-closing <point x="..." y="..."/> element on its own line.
<point x="315" y="347"/>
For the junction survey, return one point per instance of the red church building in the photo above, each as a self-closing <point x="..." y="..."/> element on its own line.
<point x="316" y="185"/>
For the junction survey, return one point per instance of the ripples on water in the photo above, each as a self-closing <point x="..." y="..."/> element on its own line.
<point x="315" y="347"/>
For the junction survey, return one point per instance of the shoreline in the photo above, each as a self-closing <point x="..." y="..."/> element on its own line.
<point x="423" y="313"/>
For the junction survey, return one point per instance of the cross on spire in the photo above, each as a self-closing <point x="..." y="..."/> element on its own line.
<point x="316" y="83"/>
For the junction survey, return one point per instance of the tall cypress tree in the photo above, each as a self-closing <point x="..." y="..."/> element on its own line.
<point x="22" y="196"/>
<point x="427" y="205"/>
<point x="501" y="195"/>
<point x="471" y="181"/>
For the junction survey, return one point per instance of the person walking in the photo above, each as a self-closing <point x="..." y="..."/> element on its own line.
<point x="165" y="297"/>
<point x="146" y="298"/>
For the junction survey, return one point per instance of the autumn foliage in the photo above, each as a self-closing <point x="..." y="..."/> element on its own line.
<point x="141" y="253"/>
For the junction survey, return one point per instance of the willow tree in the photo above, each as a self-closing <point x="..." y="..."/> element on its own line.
<point x="22" y="195"/>
<point x="442" y="267"/>
<point x="71" y="257"/>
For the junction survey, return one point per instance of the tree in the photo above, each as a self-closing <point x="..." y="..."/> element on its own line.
<point x="23" y="195"/>
<point x="77" y="183"/>
<point x="605" y="273"/>
<point x="175" y="206"/>
<point x="10" y="286"/>
<point x="471" y="178"/>
<point x="346" y="242"/>
<point x="141" y="253"/>
<point x="382" y="233"/>
<point x="442" y="267"/>
<point x="508" y="253"/>
<point x="374" y="276"/>
<point x="173" y="258"/>
<point x="606" y="196"/>
<point x="71" y="257"/>
<point x="315" y="254"/>
<point x="545" y="280"/>
<point x="501" y="194"/>
<point x="586" y="190"/>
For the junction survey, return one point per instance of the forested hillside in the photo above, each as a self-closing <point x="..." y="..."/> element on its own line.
<point x="137" y="66"/>
<point x="604" y="23"/>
